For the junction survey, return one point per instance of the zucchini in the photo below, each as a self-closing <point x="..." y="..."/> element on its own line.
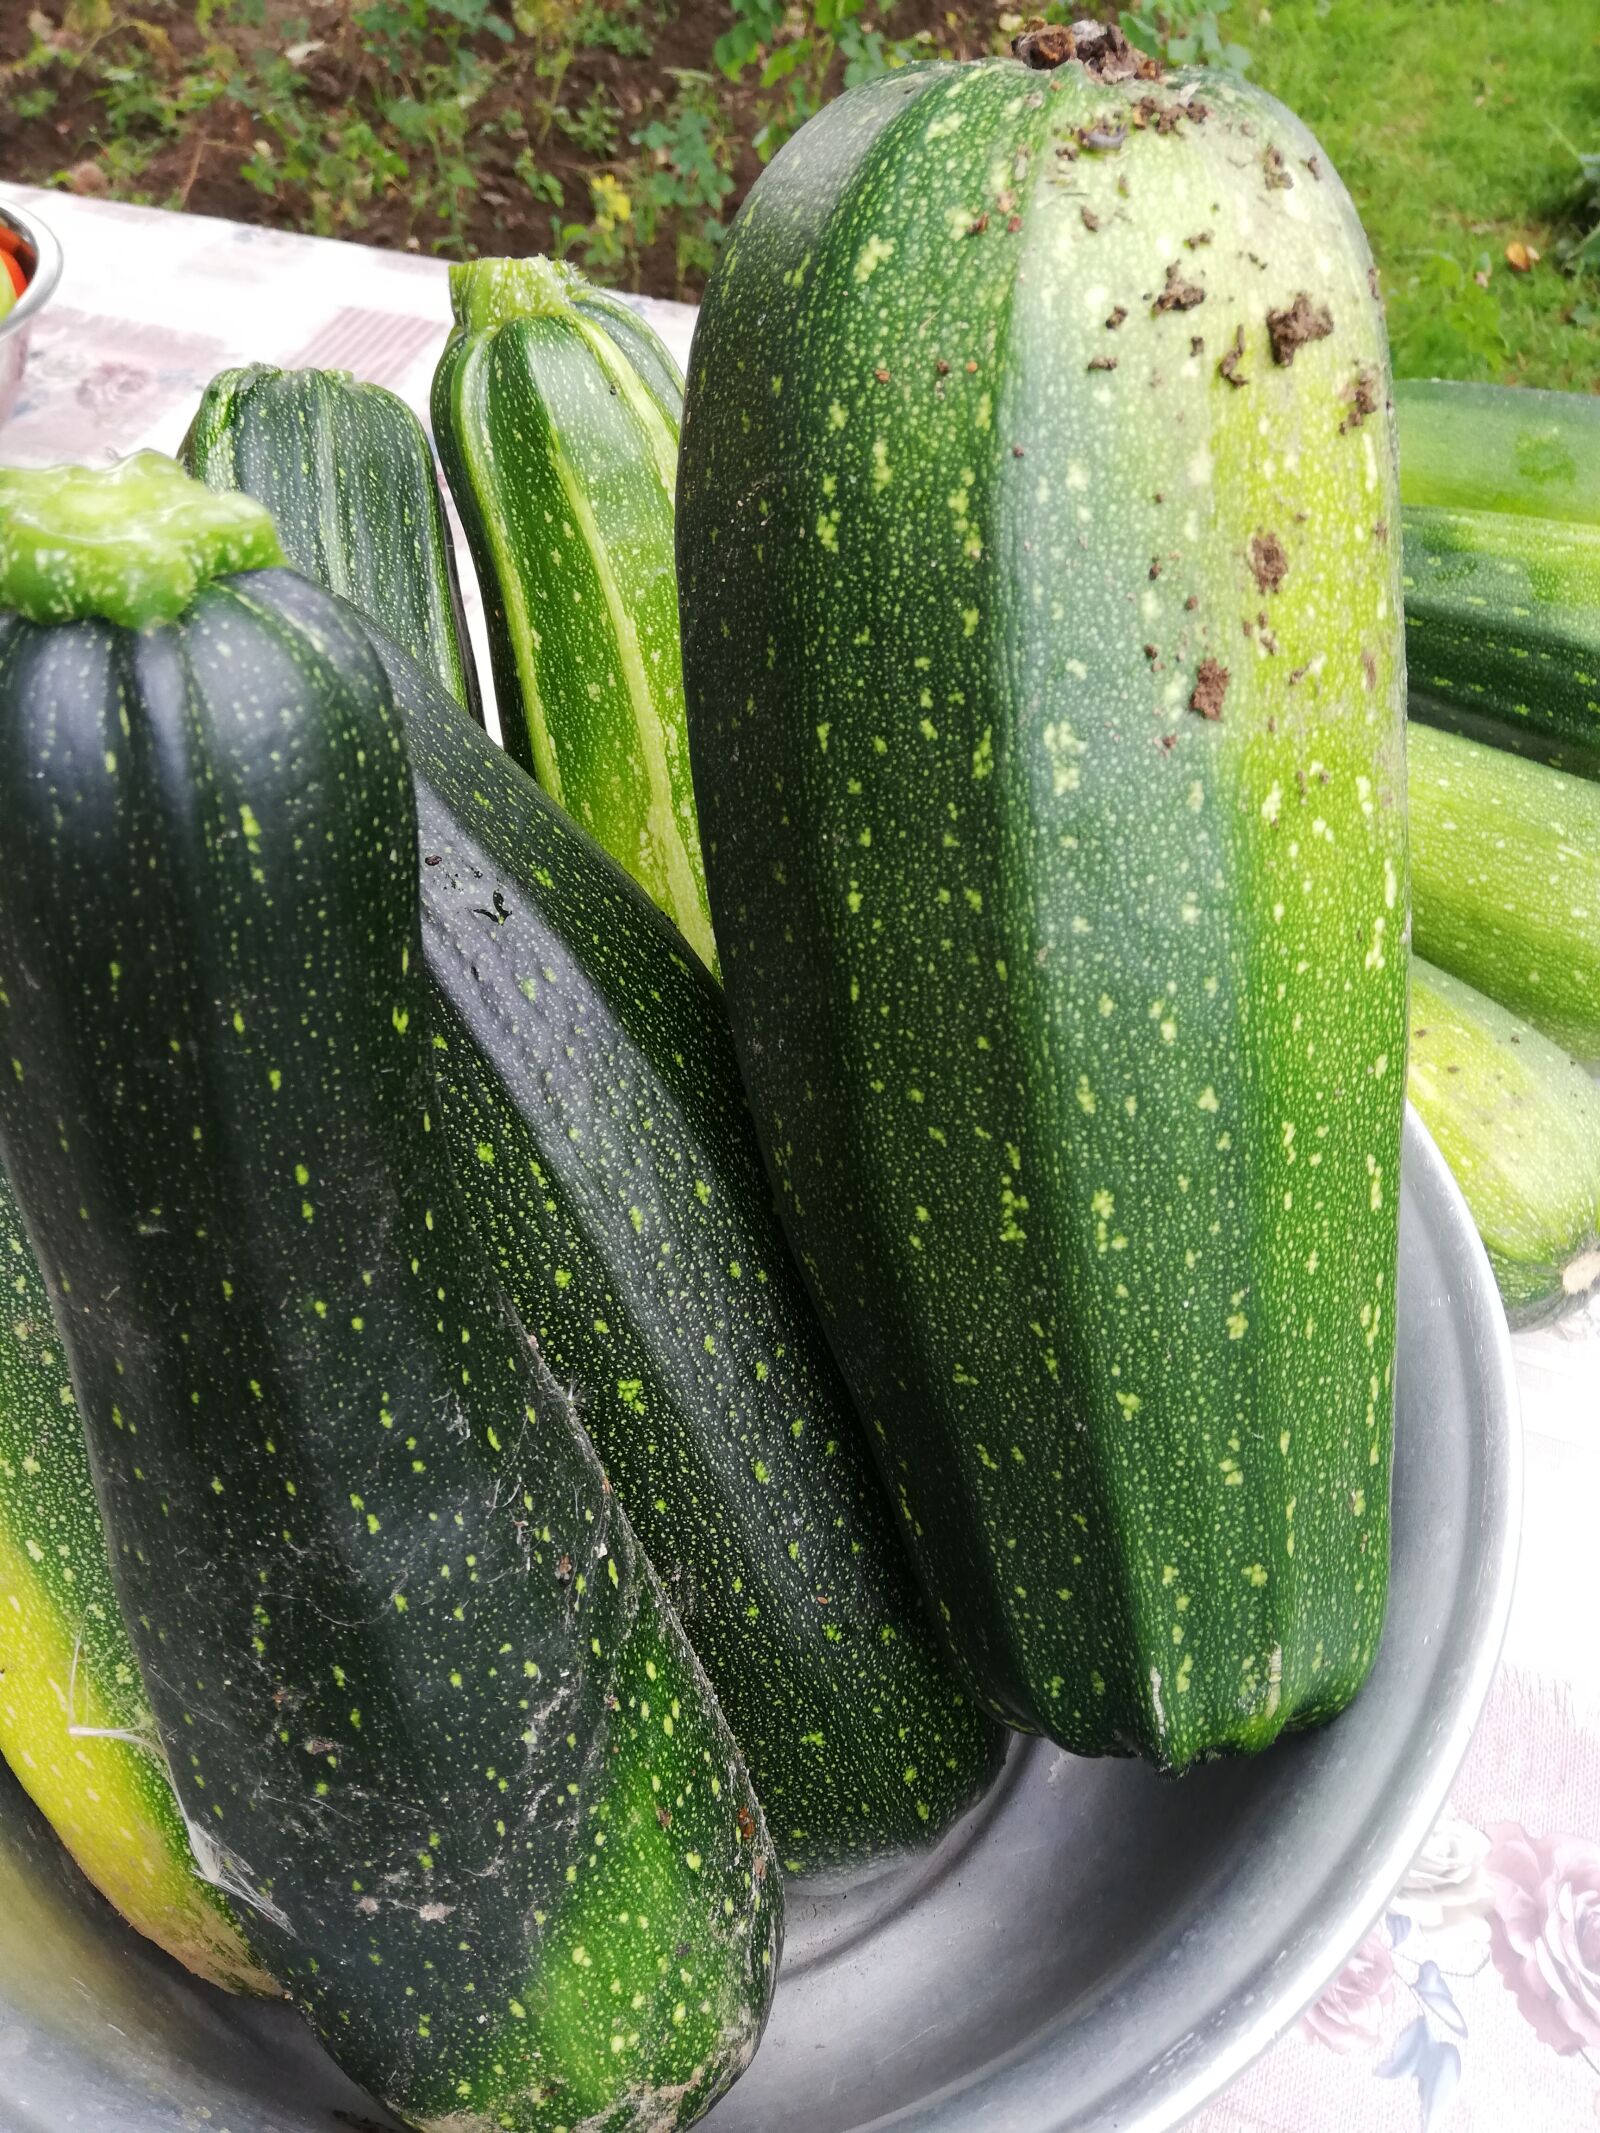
<point x="637" y="1241"/>
<point x="1519" y="1125"/>
<point x="1499" y="448"/>
<point x="1045" y="679"/>
<point x="430" y="1718"/>
<point x="592" y="1109"/>
<point x="74" y="1722"/>
<point x="348" y="476"/>
<point x="1503" y="631"/>
<point x="562" y="454"/>
<point x="589" y="1099"/>
<point x="1505" y="882"/>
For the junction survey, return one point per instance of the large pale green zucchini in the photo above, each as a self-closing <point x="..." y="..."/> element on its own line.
<point x="558" y="429"/>
<point x="450" y="1753"/>
<point x="1505" y="882"/>
<point x="1503" y="630"/>
<point x="348" y="476"/>
<point x="75" y="1725"/>
<point x="1519" y="1124"/>
<point x="1499" y="448"/>
<point x="1043" y="655"/>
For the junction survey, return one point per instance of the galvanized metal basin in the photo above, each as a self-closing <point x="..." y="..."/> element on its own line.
<point x="16" y="328"/>
<point x="1096" y="1950"/>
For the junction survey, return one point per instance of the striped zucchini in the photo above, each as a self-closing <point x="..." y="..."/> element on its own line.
<point x="75" y="1725"/>
<point x="1505" y="882"/>
<point x="1499" y="448"/>
<point x="1519" y="1125"/>
<point x="562" y="454"/>
<point x="417" y="1685"/>
<point x="348" y="476"/>
<point x="1503" y="631"/>
<point x="1045" y="679"/>
<point x="1501" y="494"/>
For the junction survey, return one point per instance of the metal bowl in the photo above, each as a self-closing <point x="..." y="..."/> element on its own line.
<point x="16" y="328"/>
<point x="1096" y="1948"/>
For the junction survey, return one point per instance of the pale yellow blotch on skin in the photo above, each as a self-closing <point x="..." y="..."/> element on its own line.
<point x="872" y="256"/>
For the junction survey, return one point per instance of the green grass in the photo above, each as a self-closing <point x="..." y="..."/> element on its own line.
<point x="1446" y="120"/>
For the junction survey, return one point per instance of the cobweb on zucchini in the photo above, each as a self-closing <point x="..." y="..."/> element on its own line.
<point x="214" y="1863"/>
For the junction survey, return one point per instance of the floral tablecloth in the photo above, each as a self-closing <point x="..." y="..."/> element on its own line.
<point x="1474" y="2003"/>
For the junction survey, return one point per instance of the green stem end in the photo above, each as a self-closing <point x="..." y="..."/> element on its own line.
<point x="485" y="293"/>
<point x="131" y="543"/>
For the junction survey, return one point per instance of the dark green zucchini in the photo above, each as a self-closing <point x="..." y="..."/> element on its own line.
<point x="1505" y="881"/>
<point x="1499" y="448"/>
<point x="561" y="455"/>
<point x="74" y="1722"/>
<point x="592" y="1106"/>
<point x="1503" y="631"/>
<point x="347" y="474"/>
<point x="1519" y="1124"/>
<point x="431" y="1722"/>
<point x="590" y="1101"/>
<point x="1042" y="642"/>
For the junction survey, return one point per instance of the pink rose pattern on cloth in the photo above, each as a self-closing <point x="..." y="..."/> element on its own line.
<point x="1545" y="1931"/>
<point x="1474" y="2005"/>
<point x="1538" y="1901"/>
<point x="1351" y="2012"/>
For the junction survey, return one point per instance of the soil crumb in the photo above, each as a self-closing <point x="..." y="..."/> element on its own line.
<point x="1276" y="171"/>
<point x="1178" y="294"/>
<point x="1101" y="48"/>
<point x="1229" y="366"/>
<point x="1210" y="687"/>
<point x="1362" y="394"/>
<point x="1150" y="111"/>
<point x="1269" y="561"/>
<point x="1291" y="329"/>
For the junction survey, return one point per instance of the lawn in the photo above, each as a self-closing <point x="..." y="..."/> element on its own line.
<point x="1457" y="126"/>
<point x="623" y="133"/>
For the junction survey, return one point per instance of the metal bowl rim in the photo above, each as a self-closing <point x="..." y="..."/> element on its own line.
<point x="46" y="274"/>
<point x="1024" y="2092"/>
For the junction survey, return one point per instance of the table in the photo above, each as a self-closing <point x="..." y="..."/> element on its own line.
<point x="1475" y="2003"/>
